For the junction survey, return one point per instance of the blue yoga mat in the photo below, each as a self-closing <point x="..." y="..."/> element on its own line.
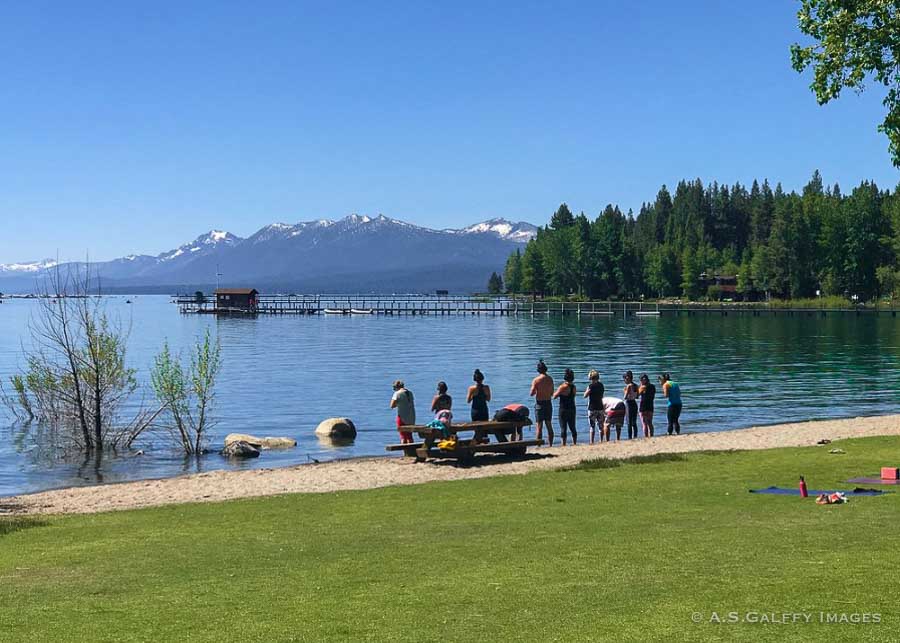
<point x="782" y="491"/>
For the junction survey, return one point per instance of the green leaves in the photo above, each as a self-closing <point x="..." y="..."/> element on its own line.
<point x="853" y="41"/>
<point x="187" y="395"/>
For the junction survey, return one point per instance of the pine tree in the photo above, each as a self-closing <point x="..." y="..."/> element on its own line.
<point x="533" y="280"/>
<point x="495" y="284"/>
<point x="690" y="274"/>
<point x="513" y="272"/>
<point x="562" y="218"/>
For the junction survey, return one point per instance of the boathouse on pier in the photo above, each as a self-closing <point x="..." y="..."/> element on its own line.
<point x="243" y="299"/>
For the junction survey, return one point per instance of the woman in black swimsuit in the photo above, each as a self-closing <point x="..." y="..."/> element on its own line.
<point x="630" y="393"/>
<point x="566" y="396"/>
<point x="479" y="395"/>
<point x="441" y="401"/>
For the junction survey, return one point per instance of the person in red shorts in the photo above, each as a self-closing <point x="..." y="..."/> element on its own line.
<point x="405" y="403"/>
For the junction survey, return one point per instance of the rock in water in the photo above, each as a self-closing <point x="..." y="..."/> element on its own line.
<point x="261" y="443"/>
<point x="337" y="429"/>
<point x="240" y="449"/>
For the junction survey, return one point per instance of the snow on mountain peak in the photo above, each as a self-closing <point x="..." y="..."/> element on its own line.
<point x="520" y="232"/>
<point x="215" y="236"/>
<point x="27" y="266"/>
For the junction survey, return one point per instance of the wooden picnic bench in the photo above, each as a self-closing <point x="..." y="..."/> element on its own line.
<point x="466" y="448"/>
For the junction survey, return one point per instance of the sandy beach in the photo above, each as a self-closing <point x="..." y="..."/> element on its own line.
<point x="369" y="473"/>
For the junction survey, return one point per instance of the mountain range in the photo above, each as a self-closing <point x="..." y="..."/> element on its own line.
<point x="354" y="254"/>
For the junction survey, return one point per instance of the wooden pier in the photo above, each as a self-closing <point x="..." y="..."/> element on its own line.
<point x="429" y="305"/>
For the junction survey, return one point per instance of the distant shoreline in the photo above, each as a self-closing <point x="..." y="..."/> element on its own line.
<point x="374" y="472"/>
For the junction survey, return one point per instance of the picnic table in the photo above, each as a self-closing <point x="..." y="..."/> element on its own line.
<point x="466" y="448"/>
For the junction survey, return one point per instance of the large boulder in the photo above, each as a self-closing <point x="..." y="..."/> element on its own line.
<point x="261" y="443"/>
<point x="337" y="429"/>
<point x="240" y="449"/>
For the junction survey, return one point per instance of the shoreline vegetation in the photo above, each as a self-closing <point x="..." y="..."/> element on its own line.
<point x="716" y="241"/>
<point x="377" y="472"/>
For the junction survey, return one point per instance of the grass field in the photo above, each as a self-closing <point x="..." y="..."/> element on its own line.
<point x="630" y="552"/>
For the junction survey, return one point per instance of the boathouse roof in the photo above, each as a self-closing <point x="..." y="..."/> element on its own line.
<point x="237" y="291"/>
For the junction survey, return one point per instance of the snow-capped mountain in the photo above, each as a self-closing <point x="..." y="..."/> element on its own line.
<point x="355" y="253"/>
<point x="26" y="267"/>
<point x="204" y="244"/>
<point x="520" y="232"/>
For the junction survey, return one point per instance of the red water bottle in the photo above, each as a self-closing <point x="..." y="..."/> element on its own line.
<point x="803" y="491"/>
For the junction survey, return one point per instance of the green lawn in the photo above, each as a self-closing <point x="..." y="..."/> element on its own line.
<point x="602" y="553"/>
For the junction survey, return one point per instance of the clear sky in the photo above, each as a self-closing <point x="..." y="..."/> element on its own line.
<point x="130" y="127"/>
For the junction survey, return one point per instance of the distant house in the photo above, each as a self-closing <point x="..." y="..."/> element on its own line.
<point x="726" y="285"/>
<point x="237" y="298"/>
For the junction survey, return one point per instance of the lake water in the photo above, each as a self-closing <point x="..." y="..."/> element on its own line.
<point x="283" y="374"/>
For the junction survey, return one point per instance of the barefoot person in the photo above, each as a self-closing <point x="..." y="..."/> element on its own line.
<point x="630" y="393"/>
<point x="594" y="395"/>
<point x="441" y="401"/>
<point x="672" y="393"/>
<point x="405" y="403"/>
<point x="542" y="392"/>
<point x="566" y="396"/>
<point x="613" y="415"/>
<point x="647" y="391"/>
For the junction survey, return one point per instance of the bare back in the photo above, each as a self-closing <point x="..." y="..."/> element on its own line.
<point x="542" y="387"/>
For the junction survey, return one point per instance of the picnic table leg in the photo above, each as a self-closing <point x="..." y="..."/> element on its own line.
<point x="427" y="443"/>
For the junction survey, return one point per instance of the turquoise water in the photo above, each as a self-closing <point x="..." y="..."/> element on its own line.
<point x="284" y="374"/>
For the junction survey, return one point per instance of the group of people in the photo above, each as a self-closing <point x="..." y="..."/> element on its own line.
<point x="604" y="412"/>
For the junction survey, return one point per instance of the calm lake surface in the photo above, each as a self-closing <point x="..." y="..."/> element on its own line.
<point x="283" y="374"/>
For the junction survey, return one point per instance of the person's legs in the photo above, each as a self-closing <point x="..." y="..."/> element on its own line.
<point x="618" y="422"/>
<point x="566" y="424"/>
<point x="632" y="419"/>
<point x="406" y="437"/>
<point x="670" y="418"/>
<point x="544" y="413"/>
<point x="539" y="412"/>
<point x="677" y="418"/>
<point x="647" y="424"/>
<point x="593" y="421"/>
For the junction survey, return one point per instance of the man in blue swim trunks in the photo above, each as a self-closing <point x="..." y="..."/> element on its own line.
<point x="542" y="392"/>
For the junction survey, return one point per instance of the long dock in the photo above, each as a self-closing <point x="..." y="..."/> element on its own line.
<point x="399" y="305"/>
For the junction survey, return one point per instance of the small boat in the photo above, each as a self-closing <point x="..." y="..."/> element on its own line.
<point x="335" y="311"/>
<point x="362" y="311"/>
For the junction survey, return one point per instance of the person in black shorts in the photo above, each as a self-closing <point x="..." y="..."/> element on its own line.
<point x="542" y="392"/>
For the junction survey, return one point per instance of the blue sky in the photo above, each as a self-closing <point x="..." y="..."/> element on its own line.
<point x="134" y="127"/>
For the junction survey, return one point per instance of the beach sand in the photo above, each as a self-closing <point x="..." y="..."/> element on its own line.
<point x="369" y="473"/>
